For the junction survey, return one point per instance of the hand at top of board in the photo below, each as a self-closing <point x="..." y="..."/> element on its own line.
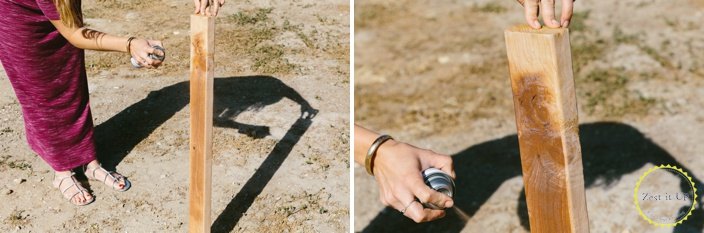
<point x="208" y="7"/>
<point x="547" y="9"/>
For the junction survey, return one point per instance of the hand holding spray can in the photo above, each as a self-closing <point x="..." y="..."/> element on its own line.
<point x="153" y="56"/>
<point x="438" y="181"/>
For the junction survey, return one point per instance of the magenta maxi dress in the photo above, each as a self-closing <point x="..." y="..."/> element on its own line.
<point x="49" y="78"/>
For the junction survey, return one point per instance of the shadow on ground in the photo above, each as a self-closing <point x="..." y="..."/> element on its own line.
<point x="117" y="136"/>
<point x="609" y="151"/>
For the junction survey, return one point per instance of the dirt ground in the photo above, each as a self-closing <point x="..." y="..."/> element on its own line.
<point x="434" y="73"/>
<point x="273" y="170"/>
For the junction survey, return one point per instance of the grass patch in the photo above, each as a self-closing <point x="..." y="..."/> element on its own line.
<point x="260" y="35"/>
<point x="298" y="29"/>
<point x="100" y="61"/>
<point x="367" y="15"/>
<point x="585" y="48"/>
<point x="585" y="51"/>
<point x="19" y="164"/>
<point x="325" y="20"/>
<point x="490" y="8"/>
<point x="22" y="165"/>
<point x="94" y="228"/>
<point x="256" y="27"/>
<point x="254" y="38"/>
<point x="269" y="59"/>
<point x="605" y="92"/>
<point x="98" y="9"/>
<point x="305" y="202"/>
<point x="664" y="62"/>
<point x="577" y="21"/>
<point x="621" y="37"/>
<point x="251" y="17"/>
<point x="306" y="40"/>
<point x="17" y="218"/>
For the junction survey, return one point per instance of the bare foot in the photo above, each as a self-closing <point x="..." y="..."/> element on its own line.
<point x="115" y="180"/>
<point x="71" y="189"/>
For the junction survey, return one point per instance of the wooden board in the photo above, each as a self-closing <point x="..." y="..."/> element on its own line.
<point x="201" y="106"/>
<point x="540" y="65"/>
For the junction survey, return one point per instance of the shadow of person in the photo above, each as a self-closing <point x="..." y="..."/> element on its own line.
<point x="117" y="136"/>
<point x="609" y="151"/>
<point x="236" y="95"/>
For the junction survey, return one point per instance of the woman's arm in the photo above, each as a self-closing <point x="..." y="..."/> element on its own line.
<point x="85" y="38"/>
<point x="363" y="139"/>
<point x="397" y="170"/>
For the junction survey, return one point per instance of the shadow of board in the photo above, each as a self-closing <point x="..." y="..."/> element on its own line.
<point x="609" y="151"/>
<point x="117" y="136"/>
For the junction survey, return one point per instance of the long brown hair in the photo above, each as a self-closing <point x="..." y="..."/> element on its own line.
<point x="70" y="12"/>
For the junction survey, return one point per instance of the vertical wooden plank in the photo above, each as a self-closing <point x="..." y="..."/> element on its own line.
<point x="201" y="106"/>
<point x="540" y="65"/>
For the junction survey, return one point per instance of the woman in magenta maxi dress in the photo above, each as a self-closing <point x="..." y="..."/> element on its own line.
<point x="42" y="46"/>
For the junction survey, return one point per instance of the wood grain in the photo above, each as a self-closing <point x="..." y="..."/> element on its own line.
<point x="201" y="107"/>
<point x="540" y="66"/>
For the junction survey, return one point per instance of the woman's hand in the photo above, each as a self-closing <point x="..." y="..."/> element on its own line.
<point x="140" y="50"/>
<point x="397" y="169"/>
<point x="207" y="8"/>
<point x="547" y="8"/>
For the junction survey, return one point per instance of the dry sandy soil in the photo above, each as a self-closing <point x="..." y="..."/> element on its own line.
<point x="273" y="171"/>
<point x="434" y="73"/>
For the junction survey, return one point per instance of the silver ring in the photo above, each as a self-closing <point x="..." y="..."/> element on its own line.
<point x="406" y="208"/>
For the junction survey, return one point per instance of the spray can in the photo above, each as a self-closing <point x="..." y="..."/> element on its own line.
<point x="438" y="181"/>
<point x="153" y="56"/>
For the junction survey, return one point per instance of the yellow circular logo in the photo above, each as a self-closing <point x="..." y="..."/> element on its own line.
<point x="662" y="202"/>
